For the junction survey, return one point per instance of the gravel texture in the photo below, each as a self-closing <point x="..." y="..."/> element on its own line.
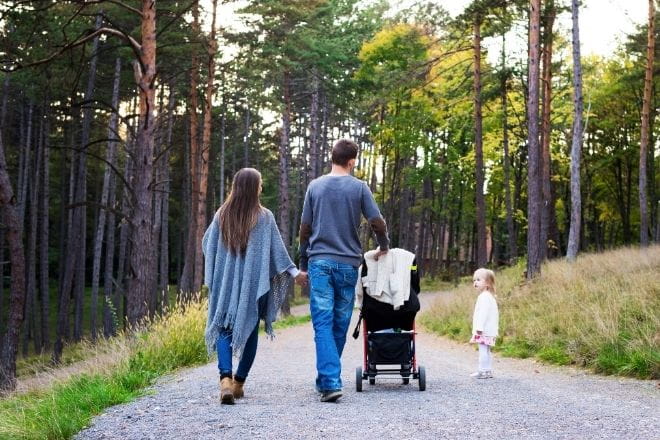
<point x="525" y="400"/>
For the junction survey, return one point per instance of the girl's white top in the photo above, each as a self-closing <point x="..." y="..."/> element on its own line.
<point x="486" y="317"/>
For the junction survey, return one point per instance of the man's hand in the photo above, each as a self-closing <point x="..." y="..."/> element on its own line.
<point x="301" y="279"/>
<point x="380" y="254"/>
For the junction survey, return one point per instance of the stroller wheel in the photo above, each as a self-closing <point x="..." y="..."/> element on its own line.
<point x="372" y="380"/>
<point x="406" y="381"/>
<point x="358" y="379"/>
<point x="422" y="378"/>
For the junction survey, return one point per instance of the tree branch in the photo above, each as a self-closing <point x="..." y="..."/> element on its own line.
<point x="115" y="2"/>
<point x="104" y="30"/>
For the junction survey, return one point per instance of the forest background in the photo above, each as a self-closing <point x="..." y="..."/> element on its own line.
<point x="123" y="122"/>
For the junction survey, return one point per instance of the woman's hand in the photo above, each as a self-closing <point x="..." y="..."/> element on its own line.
<point x="301" y="279"/>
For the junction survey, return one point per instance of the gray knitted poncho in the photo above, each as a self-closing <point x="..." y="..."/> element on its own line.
<point x="236" y="282"/>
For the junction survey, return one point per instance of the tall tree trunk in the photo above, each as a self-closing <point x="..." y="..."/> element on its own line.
<point x="644" y="141"/>
<point x="81" y="199"/>
<point x="124" y="245"/>
<point x="164" y="271"/>
<point x="313" y="171"/>
<point x="576" y="145"/>
<point x="31" y="310"/>
<point x="187" y="281"/>
<point x="482" y="255"/>
<point x="14" y="232"/>
<point x="223" y="150"/>
<point x="74" y="266"/>
<point x="284" y="204"/>
<point x="43" y="239"/>
<point x="534" y="196"/>
<point x="246" y="134"/>
<point x="512" y="251"/>
<point x="3" y="113"/>
<point x="111" y="308"/>
<point x="26" y="153"/>
<point x="212" y="50"/>
<point x="140" y="282"/>
<point x="111" y="152"/>
<point x="548" y="209"/>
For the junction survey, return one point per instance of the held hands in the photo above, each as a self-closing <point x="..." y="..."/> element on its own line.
<point x="301" y="279"/>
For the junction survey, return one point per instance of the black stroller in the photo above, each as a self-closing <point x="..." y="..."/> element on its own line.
<point x="389" y="337"/>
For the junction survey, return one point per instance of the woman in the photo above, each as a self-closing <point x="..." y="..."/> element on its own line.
<point x="248" y="272"/>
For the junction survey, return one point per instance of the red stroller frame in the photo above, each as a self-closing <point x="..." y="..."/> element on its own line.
<point x="390" y="348"/>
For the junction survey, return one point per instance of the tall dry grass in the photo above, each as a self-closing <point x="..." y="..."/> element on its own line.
<point x="602" y="312"/>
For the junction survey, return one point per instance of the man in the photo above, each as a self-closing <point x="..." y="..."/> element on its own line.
<point x="330" y="243"/>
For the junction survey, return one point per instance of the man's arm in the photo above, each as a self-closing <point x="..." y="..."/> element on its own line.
<point x="376" y="221"/>
<point x="305" y="231"/>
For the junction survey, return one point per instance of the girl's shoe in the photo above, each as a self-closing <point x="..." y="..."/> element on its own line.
<point x="482" y="375"/>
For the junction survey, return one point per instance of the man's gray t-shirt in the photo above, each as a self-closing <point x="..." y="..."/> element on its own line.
<point x="333" y="207"/>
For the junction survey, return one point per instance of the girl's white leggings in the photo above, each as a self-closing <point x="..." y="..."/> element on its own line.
<point x="485" y="358"/>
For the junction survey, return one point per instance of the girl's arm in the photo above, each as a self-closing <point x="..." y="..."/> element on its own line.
<point x="480" y="311"/>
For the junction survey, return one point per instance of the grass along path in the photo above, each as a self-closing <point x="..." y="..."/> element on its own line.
<point x="601" y="312"/>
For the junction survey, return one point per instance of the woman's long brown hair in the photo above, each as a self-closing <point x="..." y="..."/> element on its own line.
<point x="240" y="212"/>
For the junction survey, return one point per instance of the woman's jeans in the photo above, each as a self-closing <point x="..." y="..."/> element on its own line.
<point x="331" y="305"/>
<point x="223" y="346"/>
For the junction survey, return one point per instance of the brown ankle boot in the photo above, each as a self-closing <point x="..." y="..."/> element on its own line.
<point x="226" y="394"/>
<point x="237" y="390"/>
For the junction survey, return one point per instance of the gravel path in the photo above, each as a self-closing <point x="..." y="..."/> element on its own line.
<point x="525" y="400"/>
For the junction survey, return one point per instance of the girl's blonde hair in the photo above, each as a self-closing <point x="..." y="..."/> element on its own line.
<point x="489" y="277"/>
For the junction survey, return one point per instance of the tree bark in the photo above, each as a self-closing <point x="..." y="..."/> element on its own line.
<point x="284" y="204"/>
<point x="124" y="245"/>
<point x="246" y="134"/>
<point x="164" y="270"/>
<point x="534" y="196"/>
<point x="223" y="152"/>
<point x="140" y="282"/>
<point x="512" y="251"/>
<point x="576" y="144"/>
<point x="3" y="113"/>
<point x="14" y="232"/>
<point x="644" y="141"/>
<point x="25" y="156"/>
<point x="482" y="256"/>
<point x="31" y="255"/>
<point x="111" y="152"/>
<point x="314" y="129"/>
<point x="548" y="209"/>
<point x="81" y="199"/>
<point x="212" y="50"/>
<point x="187" y="281"/>
<point x="43" y="240"/>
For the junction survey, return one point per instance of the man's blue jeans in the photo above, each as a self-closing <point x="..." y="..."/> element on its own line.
<point x="223" y="346"/>
<point x="332" y="294"/>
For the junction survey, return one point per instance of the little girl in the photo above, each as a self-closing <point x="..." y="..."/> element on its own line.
<point x="485" y="321"/>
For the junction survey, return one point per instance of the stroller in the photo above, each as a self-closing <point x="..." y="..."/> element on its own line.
<point x="389" y="337"/>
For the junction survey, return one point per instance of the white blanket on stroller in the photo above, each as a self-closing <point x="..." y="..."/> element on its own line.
<point x="388" y="279"/>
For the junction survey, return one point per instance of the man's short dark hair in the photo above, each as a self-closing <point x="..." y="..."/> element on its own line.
<point x="343" y="151"/>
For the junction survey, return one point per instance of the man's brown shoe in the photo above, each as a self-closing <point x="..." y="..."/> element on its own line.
<point x="226" y="391"/>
